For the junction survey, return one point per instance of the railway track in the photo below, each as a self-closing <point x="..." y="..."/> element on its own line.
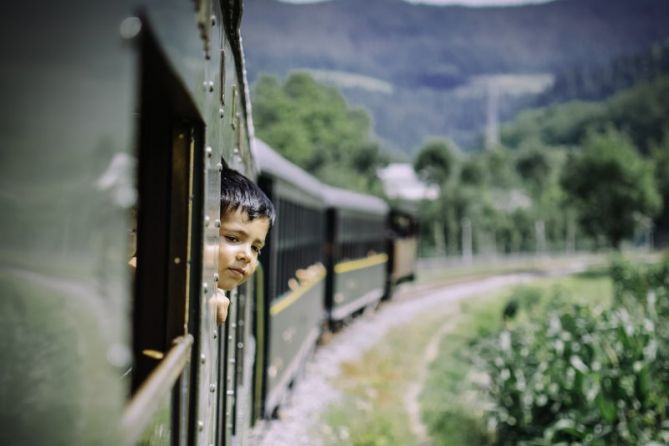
<point x="299" y="422"/>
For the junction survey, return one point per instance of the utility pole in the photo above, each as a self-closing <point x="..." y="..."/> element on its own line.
<point x="540" y="230"/>
<point x="492" y="117"/>
<point x="467" y="240"/>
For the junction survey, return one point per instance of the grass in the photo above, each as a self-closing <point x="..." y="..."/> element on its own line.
<point x="446" y="271"/>
<point x="453" y="270"/>
<point x="373" y="411"/>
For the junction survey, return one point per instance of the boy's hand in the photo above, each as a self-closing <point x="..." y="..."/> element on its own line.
<point x="219" y="304"/>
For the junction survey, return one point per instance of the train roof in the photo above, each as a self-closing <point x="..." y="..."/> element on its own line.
<point x="272" y="164"/>
<point x="346" y="199"/>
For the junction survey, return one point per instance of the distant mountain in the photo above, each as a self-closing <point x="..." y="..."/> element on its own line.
<point x="435" y="68"/>
<point x="593" y="82"/>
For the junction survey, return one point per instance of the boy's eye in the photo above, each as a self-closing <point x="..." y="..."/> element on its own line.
<point x="231" y="238"/>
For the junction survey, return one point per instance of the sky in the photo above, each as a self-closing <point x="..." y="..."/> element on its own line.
<point x="473" y="3"/>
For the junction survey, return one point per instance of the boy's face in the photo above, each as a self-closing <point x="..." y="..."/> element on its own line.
<point x="241" y="242"/>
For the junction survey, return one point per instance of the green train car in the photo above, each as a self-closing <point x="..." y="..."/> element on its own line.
<point x="293" y="283"/>
<point x="332" y="254"/>
<point x="117" y="120"/>
<point x="357" y="243"/>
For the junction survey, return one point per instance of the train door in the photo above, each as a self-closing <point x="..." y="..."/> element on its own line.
<point x="167" y="261"/>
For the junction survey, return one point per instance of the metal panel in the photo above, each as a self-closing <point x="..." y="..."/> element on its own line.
<point x="357" y="288"/>
<point x="295" y="326"/>
<point x="66" y="180"/>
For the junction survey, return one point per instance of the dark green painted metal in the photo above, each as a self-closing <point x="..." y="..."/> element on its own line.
<point x="66" y="181"/>
<point x="292" y="336"/>
<point x="352" y="286"/>
<point x="69" y="99"/>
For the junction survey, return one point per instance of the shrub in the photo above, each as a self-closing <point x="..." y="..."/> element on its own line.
<point x="582" y="376"/>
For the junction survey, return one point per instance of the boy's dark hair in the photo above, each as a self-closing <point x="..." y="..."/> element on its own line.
<point x="237" y="191"/>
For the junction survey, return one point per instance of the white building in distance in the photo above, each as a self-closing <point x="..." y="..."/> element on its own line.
<point x="401" y="182"/>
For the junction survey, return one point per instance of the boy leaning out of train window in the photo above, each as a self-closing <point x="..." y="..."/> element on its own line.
<point x="246" y="217"/>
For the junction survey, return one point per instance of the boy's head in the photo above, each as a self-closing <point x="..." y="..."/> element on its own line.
<point x="246" y="217"/>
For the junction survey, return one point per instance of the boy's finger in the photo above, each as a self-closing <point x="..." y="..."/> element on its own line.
<point x="220" y="303"/>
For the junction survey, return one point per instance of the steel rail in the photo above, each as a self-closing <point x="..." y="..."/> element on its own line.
<point x="140" y="410"/>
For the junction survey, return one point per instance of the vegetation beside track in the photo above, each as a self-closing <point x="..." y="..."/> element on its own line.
<point x="582" y="361"/>
<point x="454" y="405"/>
<point x="463" y="395"/>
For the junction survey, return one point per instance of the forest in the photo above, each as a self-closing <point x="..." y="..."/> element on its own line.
<point x="569" y="176"/>
<point x="439" y="63"/>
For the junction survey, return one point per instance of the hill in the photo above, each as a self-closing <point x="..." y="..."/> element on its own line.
<point x="437" y="65"/>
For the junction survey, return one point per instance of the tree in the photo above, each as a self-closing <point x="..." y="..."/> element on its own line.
<point x="435" y="161"/>
<point x="311" y="125"/>
<point x="533" y="166"/>
<point x="611" y="186"/>
<point x="660" y="156"/>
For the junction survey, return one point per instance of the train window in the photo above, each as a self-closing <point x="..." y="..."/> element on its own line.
<point x="299" y="245"/>
<point x="359" y="236"/>
<point x="168" y="233"/>
<point x="401" y="224"/>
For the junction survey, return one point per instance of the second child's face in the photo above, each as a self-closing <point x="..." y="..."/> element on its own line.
<point x="241" y="242"/>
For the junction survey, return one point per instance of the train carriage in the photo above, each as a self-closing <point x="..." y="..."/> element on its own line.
<point x="403" y="245"/>
<point x="290" y="308"/>
<point x="356" y="246"/>
<point x="115" y="112"/>
<point x="118" y="119"/>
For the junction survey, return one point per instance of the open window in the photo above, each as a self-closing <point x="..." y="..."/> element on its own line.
<point x="167" y="253"/>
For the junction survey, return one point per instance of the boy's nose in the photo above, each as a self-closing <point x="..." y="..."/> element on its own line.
<point x="244" y="253"/>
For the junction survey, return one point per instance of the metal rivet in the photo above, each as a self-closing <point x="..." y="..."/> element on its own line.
<point x="203" y="359"/>
<point x="215" y="277"/>
<point x="200" y="425"/>
<point x="240" y="345"/>
<point x="215" y="335"/>
<point x="177" y="260"/>
<point x="210" y="85"/>
<point x="232" y="361"/>
<point x="230" y="393"/>
<point x="212" y="388"/>
<point x="217" y="223"/>
<point x="130" y="27"/>
<point x="209" y="151"/>
<point x="205" y="287"/>
<point x="205" y="85"/>
<point x="221" y="112"/>
<point x="213" y="20"/>
<point x="219" y="166"/>
<point x="206" y="220"/>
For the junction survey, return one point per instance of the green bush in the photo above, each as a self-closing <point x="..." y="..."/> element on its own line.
<point x="582" y="376"/>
